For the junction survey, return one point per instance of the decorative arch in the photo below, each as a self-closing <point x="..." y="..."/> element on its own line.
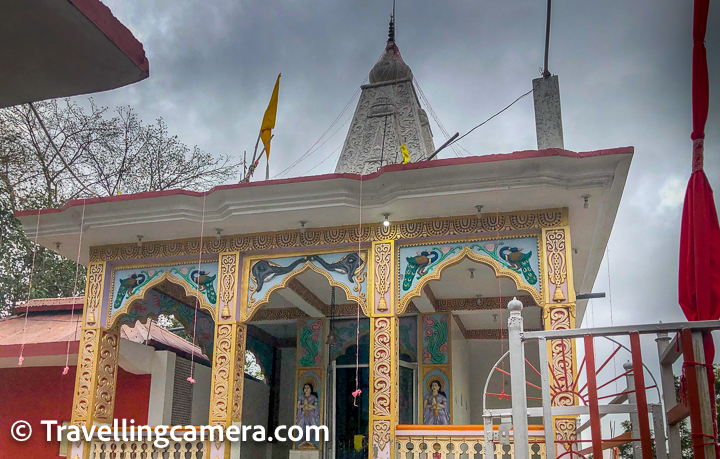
<point x="155" y="303"/>
<point x="140" y="293"/>
<point x="278" y="272"/>
<point x="428" y="262"/>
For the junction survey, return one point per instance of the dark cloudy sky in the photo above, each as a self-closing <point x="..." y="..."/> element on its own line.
<point x="624" y="69"/>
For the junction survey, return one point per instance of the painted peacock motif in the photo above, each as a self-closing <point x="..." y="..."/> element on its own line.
<point x="205" y="284"/>
<point x="128" y="286"/>
<point x="519" y="261"/>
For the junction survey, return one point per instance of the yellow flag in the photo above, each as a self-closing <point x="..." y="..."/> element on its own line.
<point x="405" y="153"/>
<point x="358" y="442"/>
<point x="268" y="122"/>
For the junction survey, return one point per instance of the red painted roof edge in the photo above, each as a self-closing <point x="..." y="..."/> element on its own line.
<point x="103" y="18"/>
<point x="51" y="304"/>
<point x="517" y="155"/>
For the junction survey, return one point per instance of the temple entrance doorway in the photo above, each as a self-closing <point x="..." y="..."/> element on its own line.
<point x="350" y="422"/>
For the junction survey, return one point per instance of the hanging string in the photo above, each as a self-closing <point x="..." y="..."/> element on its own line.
<point x="497" y="247"/>
<point x="607" y="254"/>
<point x="32" y="272"/>
<point x="197" y="292"/>
<point x="357" y="333"/>
<point x="75" y="292"/>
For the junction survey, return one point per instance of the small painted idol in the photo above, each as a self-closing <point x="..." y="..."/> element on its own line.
<point x="436" y="410"/>
<point x="307" y="411"/>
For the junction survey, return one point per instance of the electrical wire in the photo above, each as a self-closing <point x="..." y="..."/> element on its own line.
<point x="310" y="150"/>
<point x="66" y="369"/>
<point x="32" y="272"/>
<point x="496" y="114"/>
<point x="197" y="291"/>
<point x="435" y="117"/>
<point x="326" y="158"/>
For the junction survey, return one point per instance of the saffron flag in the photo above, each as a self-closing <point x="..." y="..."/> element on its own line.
<point x="268" y="122"/>
<point x="405" y="153"/>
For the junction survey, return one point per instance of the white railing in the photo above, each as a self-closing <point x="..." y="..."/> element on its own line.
<point x="146" y="449"/>
<point x="460" y="442"/>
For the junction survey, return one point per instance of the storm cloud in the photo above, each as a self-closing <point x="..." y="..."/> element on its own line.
<point x="624" y="70"/>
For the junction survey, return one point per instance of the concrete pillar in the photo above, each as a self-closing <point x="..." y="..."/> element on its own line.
<point x="162" y="381"/>
<point x="548" y="116"/>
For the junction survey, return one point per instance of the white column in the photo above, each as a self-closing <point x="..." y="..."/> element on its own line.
<point x="632" y="399"/>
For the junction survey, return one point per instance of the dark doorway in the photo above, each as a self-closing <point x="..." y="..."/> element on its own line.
<point x="351" y="428"/>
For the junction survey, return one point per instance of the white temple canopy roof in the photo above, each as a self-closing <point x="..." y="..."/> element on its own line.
<point x="525" y="180"/>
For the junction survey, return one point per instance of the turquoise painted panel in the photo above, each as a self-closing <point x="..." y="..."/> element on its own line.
<point x="310" y="343"/>
<point x="436" y="333"/>
<point x="129" y="281"/>
<point x="517" y="254"/>
<point x="344" y="268"/>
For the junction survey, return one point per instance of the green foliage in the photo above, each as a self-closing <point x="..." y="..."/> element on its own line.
<point x="53" y="276"/>
<point x="61" y="151"/>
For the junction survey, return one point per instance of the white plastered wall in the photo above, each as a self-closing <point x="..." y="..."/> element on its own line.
<point x="460" y="377"/>
<point x="141" y="359"/>
<point x="483" y="355"/>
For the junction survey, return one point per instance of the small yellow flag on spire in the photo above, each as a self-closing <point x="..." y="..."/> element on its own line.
<point x="268" y="122"/>
<point x="405" y="153"/>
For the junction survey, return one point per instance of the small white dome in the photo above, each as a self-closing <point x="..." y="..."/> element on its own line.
<point x="390" y="67"/>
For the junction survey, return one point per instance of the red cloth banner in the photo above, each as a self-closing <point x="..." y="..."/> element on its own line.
<point x="699" y="273"/>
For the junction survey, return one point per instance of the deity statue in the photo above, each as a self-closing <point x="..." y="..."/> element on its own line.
<point x="436" y="410"/>
<point x="308" y="413"/>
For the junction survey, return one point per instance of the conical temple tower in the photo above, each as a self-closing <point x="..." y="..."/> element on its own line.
<point x="388" y="115"/>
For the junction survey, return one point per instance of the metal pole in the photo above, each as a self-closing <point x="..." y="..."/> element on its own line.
<point x="449" y="141"/>
<point x="546" y="400"/>
<point x="632" y="399"/>
<point x="668" y="393"/>
<point x="546" y="72"/>
<point x="595" y="429"/>
<point x="517" y="380"/>
<point x="643" y="418"/>
<point x="489" y="446"/>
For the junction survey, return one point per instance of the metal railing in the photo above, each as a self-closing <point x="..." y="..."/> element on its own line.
<point x="632" y="401"/>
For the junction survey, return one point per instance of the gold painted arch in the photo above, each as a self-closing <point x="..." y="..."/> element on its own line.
<point x="467" y="252"/>
<point x="250" y="308"/>
<point x="166" y="276"/>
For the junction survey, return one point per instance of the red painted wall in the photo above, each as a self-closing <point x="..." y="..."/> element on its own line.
<point x="33" y="394"/>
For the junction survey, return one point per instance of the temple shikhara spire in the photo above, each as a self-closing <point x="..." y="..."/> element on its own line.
<point x="387" y="116"/>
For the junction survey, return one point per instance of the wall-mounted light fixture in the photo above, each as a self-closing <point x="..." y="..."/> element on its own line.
<point x="386" y="222"/>
<point x="479" y="211"/>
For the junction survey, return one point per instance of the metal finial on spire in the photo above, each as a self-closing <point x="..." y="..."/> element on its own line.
<point x="391" y="31"/>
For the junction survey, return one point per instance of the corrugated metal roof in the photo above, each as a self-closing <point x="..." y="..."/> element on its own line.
<point x="64" y="326"/>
